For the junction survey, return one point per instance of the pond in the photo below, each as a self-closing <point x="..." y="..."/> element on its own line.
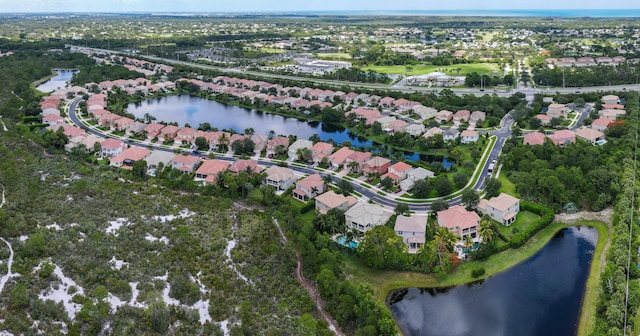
<point x="192" y="110"/>
<point x="58" y="81"/>
<point x="541" y="296"/>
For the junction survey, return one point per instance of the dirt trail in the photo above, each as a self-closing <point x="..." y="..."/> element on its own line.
<point x="9" y="275"/>
<point x="310" y="288"/>
<point x="3" y="199"/>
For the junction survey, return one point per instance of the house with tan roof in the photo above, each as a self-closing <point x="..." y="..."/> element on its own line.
<point x="590" y="135"/>
<point x="320" y="150"/>
<point x="245" y="165"/>
<point x="557" y="111"/>
<point x="308" y="188"/>
<point x="433" y="131"/>
<point x="376" y="165"/>
<point x="502" y="208"/>
<point x="122" y="124"/>
<point x="415" y="130"/>
<point x="563" y="137"/>
<point x="413" y="230"/>
<point x="477" y="117"/>
<point x="331" y="200"/>
<point x="460" y="221"/>
<point x="534" y="138"/>
<point x="610" y="99"/>
<point x="260" y="141"/>
<point x="611" y="114"/>
<point x="365" y="216"/>
<point x="185" y="163"/>
<point x="209" y="170"/>
<point x="468" y="136"/>
<point x="297" y="147"/>
<point x="112" y="147"/>
<point x="280" y="177"/>
<point x="444" y="116"/>
<point x="339" y="158"/>
<point x="425" y="112"/>
<point x="398" y="125"/>
<point x="129" y="156"/>
<point x="601" y="124"/>
<point x="461" y="116"/>
<point x="275" y="142"/>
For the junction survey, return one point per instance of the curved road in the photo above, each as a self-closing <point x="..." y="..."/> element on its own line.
<point x="501" y="134"/>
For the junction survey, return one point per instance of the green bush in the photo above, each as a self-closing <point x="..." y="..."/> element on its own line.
<point x="477" y="272"/>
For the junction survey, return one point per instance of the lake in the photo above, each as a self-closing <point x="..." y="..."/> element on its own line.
<point x="57" y="82"/>
<point x="192" y="110"/>
<point x="540" y="296"/>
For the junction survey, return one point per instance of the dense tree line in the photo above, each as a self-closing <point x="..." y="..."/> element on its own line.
<point x="96" y="73"/>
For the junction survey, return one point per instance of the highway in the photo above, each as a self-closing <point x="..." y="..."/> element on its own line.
<point x="501" y="134"/>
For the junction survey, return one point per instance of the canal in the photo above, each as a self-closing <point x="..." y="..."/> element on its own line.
<point x="541" y="296"/>
<point x="58" y="81"/>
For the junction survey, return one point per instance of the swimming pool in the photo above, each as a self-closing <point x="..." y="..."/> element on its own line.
<point x="342" y="240"/>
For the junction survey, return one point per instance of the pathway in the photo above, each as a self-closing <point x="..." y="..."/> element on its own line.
<point x="9" y="275"/>
<point x="3" y="199"/>
<point x="4" y="127"/>
<point x="310" y="288"/>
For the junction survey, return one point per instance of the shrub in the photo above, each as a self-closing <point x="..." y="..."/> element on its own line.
<point x="477" y="272"/>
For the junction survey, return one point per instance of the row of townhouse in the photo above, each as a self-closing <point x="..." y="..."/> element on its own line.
<point x="563" y="138"/>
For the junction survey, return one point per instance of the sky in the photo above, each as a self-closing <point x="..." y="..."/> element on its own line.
<point x="297" y="5"/>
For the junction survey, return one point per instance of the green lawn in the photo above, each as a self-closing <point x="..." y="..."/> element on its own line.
<point x="507" y="186"/>
<point x="420" y="69"/>
<point x="334" y="56"/>
<point x="524" y="219"/>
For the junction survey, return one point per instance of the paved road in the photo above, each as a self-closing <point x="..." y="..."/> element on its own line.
<point x="502" y="134"/>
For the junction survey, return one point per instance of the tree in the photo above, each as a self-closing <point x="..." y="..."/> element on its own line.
<point x="470" y="199"/>
<point x="401" y="209"/>
<point x="492" y="188"/>
<point x="439" y="205"/>
<point x="376" y="128"/>
<point x="487" y="232"/>
<point x="460" y="179"/>
<point x="139" y="169"/>
<point x="443" y="186"/>
<point x="382" y="248"/>
<point x="353" y="166"/>
<point x="345" y="187"/>
<point x="243" y="147"/>
<point x="332" y="222"/>
<point x="421" y="188"/>
<point x="148" y="118"/>
<point x="202" y="143"/>
<point x="249" y="131"/>
<point x="223" y="142"/>
<point x="387" y="182"/>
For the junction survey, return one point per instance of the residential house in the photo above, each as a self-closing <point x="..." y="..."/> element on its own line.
<point x="534" y="138"/>
<point x="591" y="135"/>
<point x="331" y="200"/>
<point x="308" y="188"/>
<point x="280" y="177"/>
<point x="53" y="120"/>
<point x="158" y="159"/>
<point x="544" y="119"/>
<point x="450" y="134"/>
<point x="339" y="158"/>
<point x="376" y="165"/>
<point x="461" y="116"/>
<point x="153" y="131"/>
<point x="601" y="124"/>
<point x="360" y="158"/>
<point x="444" y="116"/>
<point x="136" y="127"/>
<point x="112" y="147"/>
<point x="415" y="130"/>
<point x="433" y="131"/>
<point x="129" y="156"/>
<point x="460" y="221"/>
<point x="502" y="208"/>
<point x="275" y="143"/>
<point x="186" y="135"/>
<point x="168" y="133"/>
<point x="425" y="112"/>
<point x="398" y="126"/>
<point x="365" y="216"/>
<point x="563" y="138"/>
<point x="557" y="111"/>
<point x="610" y="99"/>
<point x="469" y="136"/>
<point x="245" y="165"/>
<point x="400" y="169"/>
<point x="296" y="148"/>
<point x="122" y="124"/>
<point x="260" y="141"/>
<point x="477" y="117"/>
<point x="386" y="121"/>
<point x="320" y="150"/>
<point x="611" y="114"/>
<point x="414" y="175"/>
<point x="413" y="231"/>
<point x="185" y="163"/>
<point x="209" y="170"/>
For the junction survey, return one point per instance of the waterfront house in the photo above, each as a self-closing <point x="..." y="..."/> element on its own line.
<point x="460" y="221"/>
<point x="502" y="208"/>
<point x="320" y="150"/>
<point x="413" y="231"/>
<point x="365" y="216"/>
<point x="296" y="148"/>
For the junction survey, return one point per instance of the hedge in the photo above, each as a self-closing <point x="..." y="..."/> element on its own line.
<point x="546" y="217"/>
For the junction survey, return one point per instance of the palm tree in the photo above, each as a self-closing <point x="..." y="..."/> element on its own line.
<point x="468" y="242"/>
<point x="327" y="180"/>
<point x="224" y="142"/>
<point x="314" y="191"/>
<point x="447" y="237"/>
<point x="486" y="231"/>
<point x="353" y="166"/>
<point x="249" y="131"/>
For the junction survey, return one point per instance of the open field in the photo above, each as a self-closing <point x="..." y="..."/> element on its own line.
<point x="334" y="56"/>
<point x="421" y="69"/>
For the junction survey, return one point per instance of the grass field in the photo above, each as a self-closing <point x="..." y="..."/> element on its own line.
<point x="421" y="69"/>
<point x="524" y="219"/>
<point x="334" y="56"/>
<point x="507" y="186"/>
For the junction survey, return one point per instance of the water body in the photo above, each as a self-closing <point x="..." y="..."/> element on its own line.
<point x="192" y="110"/>
<point x="57" y="82"/>
<point x="541" y="296"/>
